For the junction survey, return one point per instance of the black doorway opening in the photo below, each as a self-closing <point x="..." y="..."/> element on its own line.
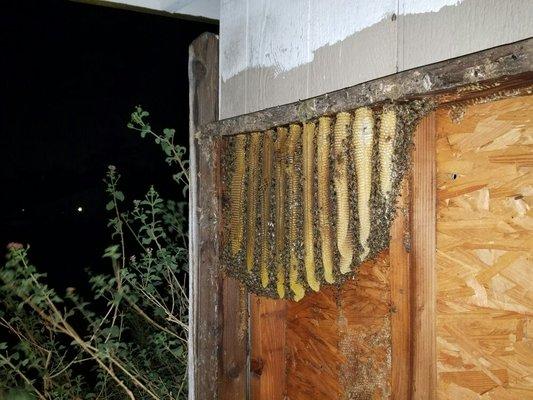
<point x="72" y="74"/>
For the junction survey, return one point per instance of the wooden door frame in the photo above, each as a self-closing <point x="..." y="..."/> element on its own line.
<point x="218" y="334"/>
<point x="219" y="348"/>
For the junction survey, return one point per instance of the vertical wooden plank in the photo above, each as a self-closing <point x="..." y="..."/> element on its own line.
<point x="267" y="363"/>
<point x="400" y="276"/>
<point x="314" y="358"/>
<point x="203" y="231"/>
<point x="364" y="328"/>
<point x="233" y="379"/>
<point x="423" y="247"/>
<point x="216" y="357"/>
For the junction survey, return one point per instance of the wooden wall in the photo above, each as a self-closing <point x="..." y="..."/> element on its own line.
<point x="350" y="343"/>
<point x="334" y="344"/>
<point x="339" y="340"/>
<point x="368" y="340"/>
<point x="375" y="337"/>
<point x="485" y="252"/>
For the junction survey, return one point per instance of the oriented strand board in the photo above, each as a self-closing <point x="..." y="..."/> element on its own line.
<point x="485" y="252"/>
<point x="339" y="340"/>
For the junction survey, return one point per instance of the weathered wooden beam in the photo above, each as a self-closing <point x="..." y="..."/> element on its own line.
<point x="218" y="357"/>
<point x="204" y="279"/>
<point x="489" y="71"/>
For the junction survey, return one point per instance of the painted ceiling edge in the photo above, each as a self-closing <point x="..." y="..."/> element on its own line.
<point x="146" y="10"/>
<point x="496" y="70"/>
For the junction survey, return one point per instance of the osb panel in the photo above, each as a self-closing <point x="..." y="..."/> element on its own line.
<point x="484" y="252"/>
<point x="338" y="340"/>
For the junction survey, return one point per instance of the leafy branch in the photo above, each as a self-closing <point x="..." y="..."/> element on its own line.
<point x="130" y="338"/>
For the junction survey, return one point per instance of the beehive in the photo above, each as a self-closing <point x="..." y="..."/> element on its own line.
<point x="308" y="203"/>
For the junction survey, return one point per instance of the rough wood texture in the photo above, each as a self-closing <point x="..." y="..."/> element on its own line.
<point x="217" y="357"/>
<point x="423" y="243"/>
<point x="339" y="340"/>
<point x="400" y="277"/>
<point x="339" y="343"/>
<point x="203" y="231"/>
<point x="233" y="354"/>
<point x="267" y="358"/>
<point x="365" y="332"/>
<point x="313" y="355"/>
<point x="499" y="69"/>
<point x="484" y="252"/>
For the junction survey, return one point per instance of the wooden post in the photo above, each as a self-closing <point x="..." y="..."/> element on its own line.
<point x="400" y="276"/>
<point x="204" y="321"/>
<point x="218" y="306"/>
<point x="423" y="248"/>
<point x="268" y="319"/>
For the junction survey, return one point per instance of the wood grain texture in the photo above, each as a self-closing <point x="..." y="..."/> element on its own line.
<point x="484" y="252"/>
<point x="400" y="277"/>
<point x="313" y="355"/>
<point x="338" y="340"/>
<point x="204" y="281"/>
<point x="365" y="332"/>
<point x="217" y="355"/>
<point x="423" y="244"/>
<point x="233" y="355"/>
<point x="267" y="354"/>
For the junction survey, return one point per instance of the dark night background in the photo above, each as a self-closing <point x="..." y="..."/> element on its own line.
<point x="72" y="74"/>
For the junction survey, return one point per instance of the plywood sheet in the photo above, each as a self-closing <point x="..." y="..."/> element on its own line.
<point x="484" y="252"/>
<point x="339" y="339"/>
<point x="267" y="348"/>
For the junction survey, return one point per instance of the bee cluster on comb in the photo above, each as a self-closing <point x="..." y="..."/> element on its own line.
<point x="304" y="205"/>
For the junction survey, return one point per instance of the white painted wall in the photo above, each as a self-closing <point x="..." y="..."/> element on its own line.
<point x="197" y="8"/>
<point x="279" y="51"/>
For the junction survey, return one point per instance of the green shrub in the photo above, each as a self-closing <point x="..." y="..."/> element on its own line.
<point x="130" y="339"/>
